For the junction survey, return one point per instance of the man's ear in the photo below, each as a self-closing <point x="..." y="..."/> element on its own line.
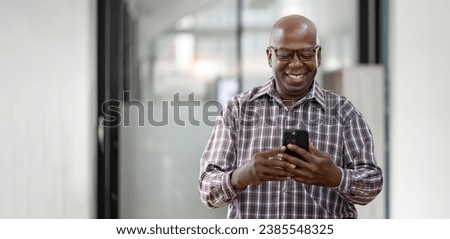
<point x="269" y="56"/>
<point x="319" y="56"/>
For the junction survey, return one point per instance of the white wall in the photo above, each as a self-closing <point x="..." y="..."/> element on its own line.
<point x="420" y="81"/>
<point x="48" y="108"/>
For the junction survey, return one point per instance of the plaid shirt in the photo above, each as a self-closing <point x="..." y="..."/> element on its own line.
<point x="254" y="121"/>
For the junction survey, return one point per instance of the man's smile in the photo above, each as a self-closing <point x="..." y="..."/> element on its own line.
<point x="296" y="77"/>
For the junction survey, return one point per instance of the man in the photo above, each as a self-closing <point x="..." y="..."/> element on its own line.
<point x="244" y="165"/>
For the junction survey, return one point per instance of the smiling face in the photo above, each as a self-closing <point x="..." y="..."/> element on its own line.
<point x="293" y="76"/>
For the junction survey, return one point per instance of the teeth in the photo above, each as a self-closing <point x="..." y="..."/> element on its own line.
<point x="295" y="77"/>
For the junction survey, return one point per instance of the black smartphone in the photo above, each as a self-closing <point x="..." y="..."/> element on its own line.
<point x="296" y="136"/>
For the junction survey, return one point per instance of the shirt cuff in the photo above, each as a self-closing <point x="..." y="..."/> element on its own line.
<point x="229" y="190"/>
<point x="341" y="182"/>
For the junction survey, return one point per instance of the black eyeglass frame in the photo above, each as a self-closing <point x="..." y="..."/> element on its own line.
<point x="300" y="53"/>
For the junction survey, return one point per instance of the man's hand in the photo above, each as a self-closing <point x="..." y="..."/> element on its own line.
<point x="316" y="168"/>
<point x="264" y="166"/>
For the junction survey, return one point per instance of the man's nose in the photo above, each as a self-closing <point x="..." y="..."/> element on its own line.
<point x="295" y="60"/>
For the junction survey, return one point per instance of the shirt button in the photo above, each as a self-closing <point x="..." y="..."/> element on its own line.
<point x="283" y="217"/>
<point x="284" y="189"/>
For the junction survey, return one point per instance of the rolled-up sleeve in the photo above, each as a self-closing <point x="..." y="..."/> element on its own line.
<point x="218" y="162"/>
<point x="362" y="179"/>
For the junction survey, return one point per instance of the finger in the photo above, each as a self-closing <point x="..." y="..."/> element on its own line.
<point x="280" y="178"/>
<point x="313" y="150"/>
<point x="277" y="172"/>
<point x="285" y="165"/>
<point x="273" y="152"/>
<point x="299" y="163"/>
<point x="278" y="162"/>
<point x="311" y="147"/>
<point x="300" y="173"/>
<point x="301" y="152"/>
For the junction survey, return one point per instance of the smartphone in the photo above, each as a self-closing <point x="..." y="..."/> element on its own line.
<point x="295" y="136"/>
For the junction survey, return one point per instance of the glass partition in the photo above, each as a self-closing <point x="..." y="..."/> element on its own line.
<point x="187" y="66"/>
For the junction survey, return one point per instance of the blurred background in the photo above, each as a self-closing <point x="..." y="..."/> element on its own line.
<point x="104" y="103"/>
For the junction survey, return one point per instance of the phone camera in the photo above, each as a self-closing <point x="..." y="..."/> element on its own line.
<point x="291" y="139"/>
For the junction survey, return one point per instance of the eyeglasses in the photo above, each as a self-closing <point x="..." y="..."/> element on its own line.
<point x="284" y="54"/>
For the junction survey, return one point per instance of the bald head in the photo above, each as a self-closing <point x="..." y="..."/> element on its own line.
<point x="292" y="26"/>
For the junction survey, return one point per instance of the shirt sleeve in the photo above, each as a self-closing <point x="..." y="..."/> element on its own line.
<point x="218" y="162"/>
<point x="362" y="179"/>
